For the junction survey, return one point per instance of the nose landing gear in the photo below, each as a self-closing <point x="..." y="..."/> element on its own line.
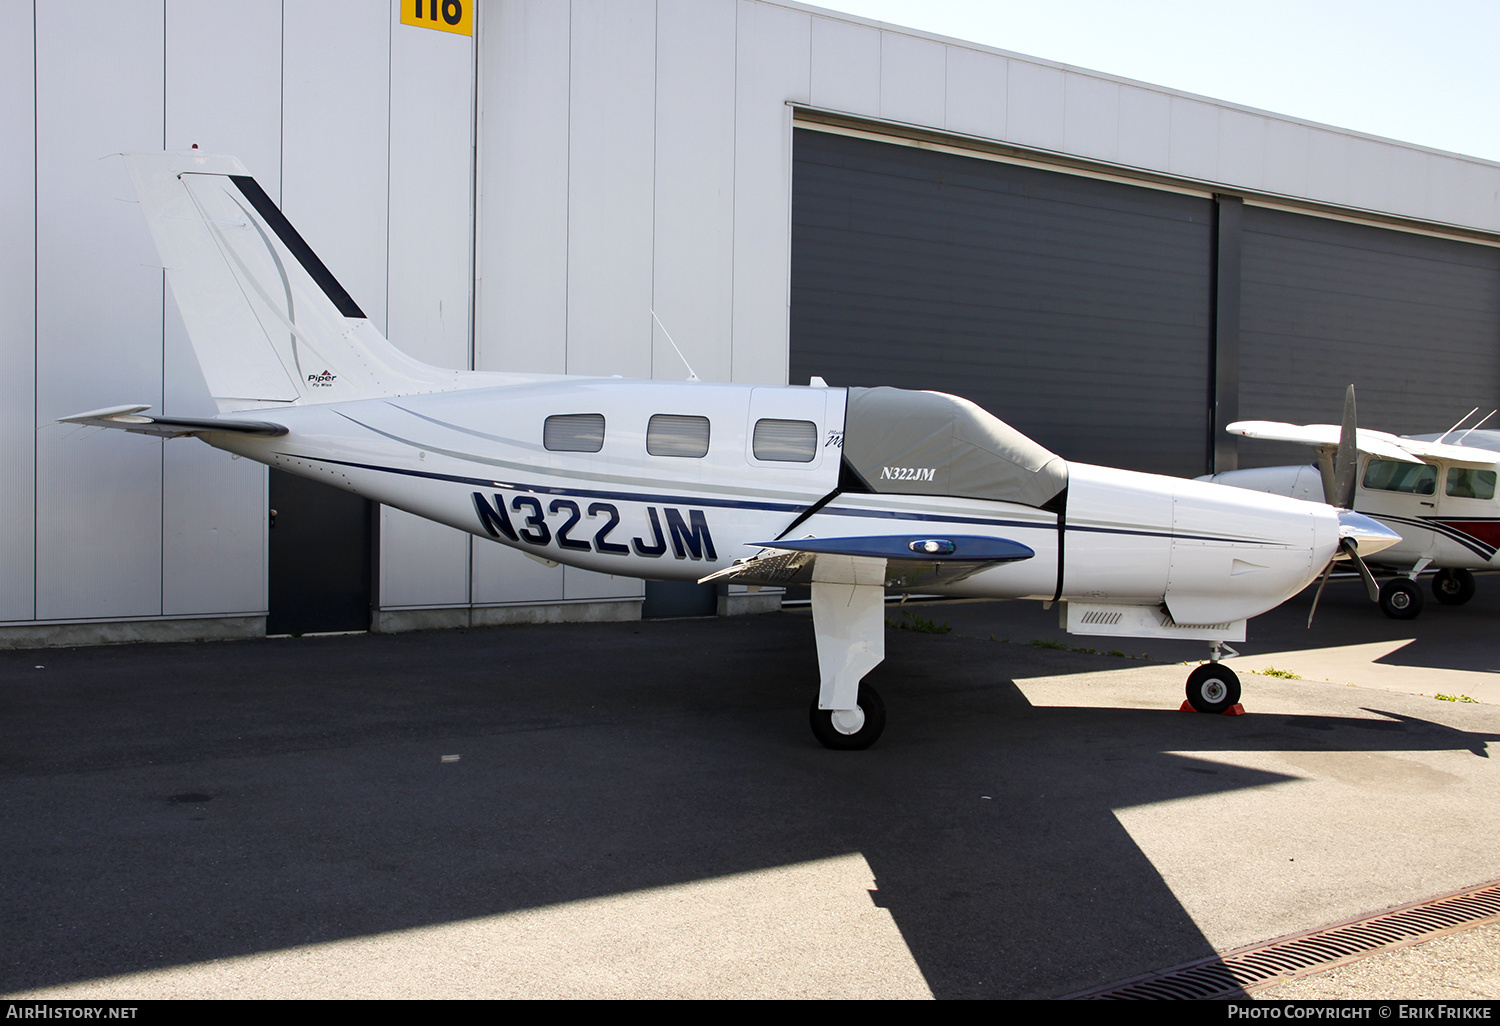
<point x="1401" y="599"/>
<point x="1214" y="687"/>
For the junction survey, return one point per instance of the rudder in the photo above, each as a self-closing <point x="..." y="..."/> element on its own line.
<point x="268" y="321"/>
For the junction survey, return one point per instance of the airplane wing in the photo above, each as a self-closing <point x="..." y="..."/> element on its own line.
<point x="1446" y="451"/>
<point x="909" y="562"/>
<point x="129" y="418"/>
<point x="1376" y="443"/>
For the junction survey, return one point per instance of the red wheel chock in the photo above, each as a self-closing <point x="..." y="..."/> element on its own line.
<point x="1234" y="710"/>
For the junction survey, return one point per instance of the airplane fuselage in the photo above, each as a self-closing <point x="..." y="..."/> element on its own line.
<point x="479" y="460"/>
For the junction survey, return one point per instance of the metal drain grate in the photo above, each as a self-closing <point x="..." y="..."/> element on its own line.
<point x="1250" y="968"/>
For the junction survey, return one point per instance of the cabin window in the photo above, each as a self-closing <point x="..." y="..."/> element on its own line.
<point x="668" y="434"/>
<point x="1391" y="476"/>
<point x="786" y="441"/>
<point x="1469" y="483"/>
<point x="574" y="432"/>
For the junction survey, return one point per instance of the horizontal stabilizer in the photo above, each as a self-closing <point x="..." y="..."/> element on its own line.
<point x="129" y="418"/>
<point x="910" y="562"/>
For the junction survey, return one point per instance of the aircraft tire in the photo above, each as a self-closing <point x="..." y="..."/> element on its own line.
<point x="1401" y="599"/>
<point x="1453" y="587"/>
<point x="874" y="725"/>
<point x="1212" y="688"/>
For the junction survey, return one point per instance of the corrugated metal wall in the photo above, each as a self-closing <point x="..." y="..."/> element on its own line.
<point x="1076" y="310"/>
<point x="361" y="129"/>
<point x="1080" y="311"/>
<point x="1412" y="321"/>
<point x="18" y="318"/>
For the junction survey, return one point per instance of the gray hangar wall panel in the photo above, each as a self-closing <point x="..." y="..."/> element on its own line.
<point x="1077" y="310"/>
<point x="1412" y="321"/>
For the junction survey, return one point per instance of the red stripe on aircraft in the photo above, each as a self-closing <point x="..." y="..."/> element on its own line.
<point x="1487" y="531"/>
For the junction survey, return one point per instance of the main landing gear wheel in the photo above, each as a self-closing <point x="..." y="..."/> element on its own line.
<point x="1212" y="688"/>
<point x="1453" y="587"/>
<point x="1401" y="599"/>
<point x="850" y="730"/>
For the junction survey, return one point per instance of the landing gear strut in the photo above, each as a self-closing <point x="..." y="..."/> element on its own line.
<point x="848" y="598"/>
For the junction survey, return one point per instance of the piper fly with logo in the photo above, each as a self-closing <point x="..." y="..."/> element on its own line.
<point x="854" y="491"/>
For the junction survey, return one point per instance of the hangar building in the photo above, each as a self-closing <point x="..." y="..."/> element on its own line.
<point x="1115" y="268"/>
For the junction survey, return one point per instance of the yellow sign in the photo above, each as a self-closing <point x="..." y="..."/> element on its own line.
<point x="443" y="15"/>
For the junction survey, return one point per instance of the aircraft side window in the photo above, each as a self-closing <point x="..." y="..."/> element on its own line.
<point x="668" y="434"/>
<point x="574" y="432"/>
<point x="1468" y="483"/>
<point x="786" y="441"/>
<point x="1391" y="476"/>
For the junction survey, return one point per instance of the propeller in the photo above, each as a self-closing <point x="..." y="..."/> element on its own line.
<point x="1345" y="471"/>
<point x="1346" y="461"/>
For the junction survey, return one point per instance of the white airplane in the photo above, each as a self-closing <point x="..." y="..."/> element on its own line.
<point x="1438" y="494"/>
<point x="854" y="491"/>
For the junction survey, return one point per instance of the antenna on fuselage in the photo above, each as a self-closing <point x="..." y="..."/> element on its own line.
<point x="1476" y="427"/>
<point x="664" y="331"/>
<point x="1465" y="417"/>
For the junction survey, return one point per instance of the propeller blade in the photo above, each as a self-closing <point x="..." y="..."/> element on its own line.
<point x="1351" y="550"/>
<point x="1346" y="462"/>
<point x="1327" y="573"/>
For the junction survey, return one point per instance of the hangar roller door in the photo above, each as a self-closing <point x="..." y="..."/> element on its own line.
<point x="1075" y="309"/>
<point x="1413" y="321"/>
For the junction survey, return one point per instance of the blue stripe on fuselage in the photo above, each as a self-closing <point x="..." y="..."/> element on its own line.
<point x="778" y="507"/>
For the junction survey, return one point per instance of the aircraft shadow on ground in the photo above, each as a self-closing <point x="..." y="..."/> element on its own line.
<point x="170" y="805"/>
<point x="1479" y="657"/>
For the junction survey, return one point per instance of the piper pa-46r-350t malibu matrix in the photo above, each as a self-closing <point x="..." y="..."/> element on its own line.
<point x="852" y="491"/>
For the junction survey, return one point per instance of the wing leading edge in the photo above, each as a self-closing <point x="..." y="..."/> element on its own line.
<point x="910" y="562"/>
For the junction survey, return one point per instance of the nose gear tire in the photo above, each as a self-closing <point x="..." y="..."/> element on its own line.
<point x="1213" y="688"/>
<point x="1401" y="599"/>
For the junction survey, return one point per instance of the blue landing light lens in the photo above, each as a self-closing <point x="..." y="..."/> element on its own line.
<point x="932" y="546"/>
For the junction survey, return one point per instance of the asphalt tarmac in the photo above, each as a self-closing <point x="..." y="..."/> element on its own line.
<point x="640" y="810"/>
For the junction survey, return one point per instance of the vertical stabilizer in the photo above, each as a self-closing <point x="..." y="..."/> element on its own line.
<point x="269" y="323"/>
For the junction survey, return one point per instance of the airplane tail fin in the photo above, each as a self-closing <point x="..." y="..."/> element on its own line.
<point x="269" y="324"/>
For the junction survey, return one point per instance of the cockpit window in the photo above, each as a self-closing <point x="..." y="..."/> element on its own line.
<point x="574" y="432"/>
<point x="1470" y="483"/>
<point x="1391" y="476"/>
<point x="668" y="434"/>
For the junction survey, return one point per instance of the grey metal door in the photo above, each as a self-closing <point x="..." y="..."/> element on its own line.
<point x="321" y="558"/>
